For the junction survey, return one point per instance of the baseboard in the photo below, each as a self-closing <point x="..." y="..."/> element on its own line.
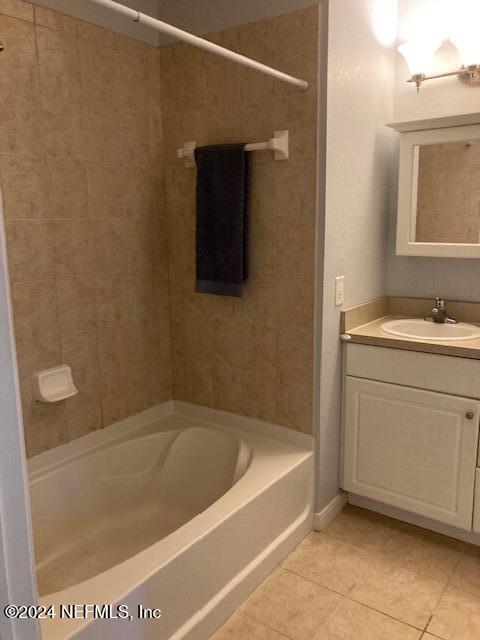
<point x="323" y="518"/>
<point x="415" y="519"/>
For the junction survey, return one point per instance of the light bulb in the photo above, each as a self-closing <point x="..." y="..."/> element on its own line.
<point x="465" y="18"/>
<point x="384" y="20"/>
<point x="419" y="53"/>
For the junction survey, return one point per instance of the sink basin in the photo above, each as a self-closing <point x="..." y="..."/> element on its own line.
<point x="419" y="329"/>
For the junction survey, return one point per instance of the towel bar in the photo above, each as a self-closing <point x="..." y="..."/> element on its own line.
<point x="278" y="144"/>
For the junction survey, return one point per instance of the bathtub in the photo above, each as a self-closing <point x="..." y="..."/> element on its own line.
<point x="181" y="510"/>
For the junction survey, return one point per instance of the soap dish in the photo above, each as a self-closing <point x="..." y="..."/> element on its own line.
<point x="53" y="385"/>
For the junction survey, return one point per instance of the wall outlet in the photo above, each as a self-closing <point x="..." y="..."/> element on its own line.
<point x="339" y="291"/>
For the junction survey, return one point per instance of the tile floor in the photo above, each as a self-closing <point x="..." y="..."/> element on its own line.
<point x="366" y="577"/>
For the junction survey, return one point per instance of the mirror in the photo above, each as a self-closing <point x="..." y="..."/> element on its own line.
<point x="439" y="193"/>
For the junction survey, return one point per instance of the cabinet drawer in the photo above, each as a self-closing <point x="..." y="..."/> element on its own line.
<point x="446" y="374"/>
<point x="410" y="448"/>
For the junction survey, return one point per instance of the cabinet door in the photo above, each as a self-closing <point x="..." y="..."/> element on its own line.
<point x="413" y="449"/>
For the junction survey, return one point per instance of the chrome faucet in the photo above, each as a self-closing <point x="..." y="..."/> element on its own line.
<point x="439" y="313"/>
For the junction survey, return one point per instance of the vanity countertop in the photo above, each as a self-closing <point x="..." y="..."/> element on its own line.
<point x="371" y="333"/>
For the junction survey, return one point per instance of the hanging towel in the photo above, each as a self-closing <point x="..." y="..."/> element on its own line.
<point x="222" y="219"/>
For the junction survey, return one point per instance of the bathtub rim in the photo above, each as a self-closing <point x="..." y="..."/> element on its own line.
<point x="49" y="460"/>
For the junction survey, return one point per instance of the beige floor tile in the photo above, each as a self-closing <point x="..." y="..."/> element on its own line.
<point x="428" y="636"/>
<point x="291" y="605"/>
<point x="457" y="616"/>
<point x="328" y="562"/>
<point x="359" y="528"/>
<point x="239" y="627"/>
<point x="429" y="555"/>
<point x="467" y="574"/>
<point x="399" y="593"/>
<point x="353" y="621"/>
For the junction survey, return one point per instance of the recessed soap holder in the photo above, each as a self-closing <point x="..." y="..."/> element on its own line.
<point x="53" y="385"/>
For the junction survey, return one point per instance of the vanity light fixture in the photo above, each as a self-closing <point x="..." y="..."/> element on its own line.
<point x="470" y="72"/>
<point x="461" y="30"/>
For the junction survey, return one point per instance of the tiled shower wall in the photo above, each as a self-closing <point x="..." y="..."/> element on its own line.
<point x="82" y="183"/>
<point x="82" y="174"/>
<point x="254" y="355"/>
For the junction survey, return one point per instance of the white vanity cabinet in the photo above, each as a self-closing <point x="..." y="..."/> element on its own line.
<point x="410" y="435"/>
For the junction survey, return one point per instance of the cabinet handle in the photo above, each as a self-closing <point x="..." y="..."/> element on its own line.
<point x="469" y="415"/>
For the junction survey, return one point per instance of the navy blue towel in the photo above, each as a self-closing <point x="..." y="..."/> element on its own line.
<point x="222" y="219"/>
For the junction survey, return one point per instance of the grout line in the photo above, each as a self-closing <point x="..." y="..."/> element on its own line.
<point x="317" y="584"/>
<point x="249" y="617"/>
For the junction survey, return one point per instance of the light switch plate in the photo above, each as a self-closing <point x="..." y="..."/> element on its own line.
<point x="339" y="291"/>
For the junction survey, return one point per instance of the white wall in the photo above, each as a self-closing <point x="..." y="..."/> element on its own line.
<point x="429" y="277"/>
<point x="359" y="103"/>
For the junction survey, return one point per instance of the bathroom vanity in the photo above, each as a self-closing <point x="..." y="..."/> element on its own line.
<point x="411" y="413"/>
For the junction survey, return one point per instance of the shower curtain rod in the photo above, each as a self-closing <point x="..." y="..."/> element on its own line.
<point x="201" y="43"/>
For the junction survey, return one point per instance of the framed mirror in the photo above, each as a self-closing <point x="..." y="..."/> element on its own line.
<point x="439" y="193"/>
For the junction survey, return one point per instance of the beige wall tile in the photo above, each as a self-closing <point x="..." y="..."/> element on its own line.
<point x="134" y="138"/>
<point x="89" y="131"/>
<point x="131" y="79"/>
<point x="62" y="129"/>
<point x="199" y="382"/>
<point x="227" y="387"/>
<point x="112" y="298"/>
<point x="30" y="250"/>
<point x="59" y="66"/>
<point x="67" y="184"/>
<point x="55" y="20"/>
<point x="76" y="305"/>
<point x="291" y="605"/>
<point x="260" y="393"/>
<point x="294" y="402"/>
<point x="115" y="358"/>
<point x="19" y="55"/>
<point x="78" y="264"/>
<point x="20" y="130"/>
<point x="45" y="427"/>
<point x="142" y="244"/>
<point x="106" y="190"/>
<point x="94" y="36"/>
<point x="225" y="103"/>
<point x="17" y="9"/>
<point x="101" y="131"/>
<point x="72" y="247"/>
<point x="97" y="67"/>
<point x="60" y="89"/>
<point x="24" y="188"/>
<point x="110" y="243"/>
<point x="84" y="411"/>
<point x="36" y="320"/>
<point x="142" y="192"/>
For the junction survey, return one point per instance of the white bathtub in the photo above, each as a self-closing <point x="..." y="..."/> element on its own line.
<point x="180" y="509"/>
